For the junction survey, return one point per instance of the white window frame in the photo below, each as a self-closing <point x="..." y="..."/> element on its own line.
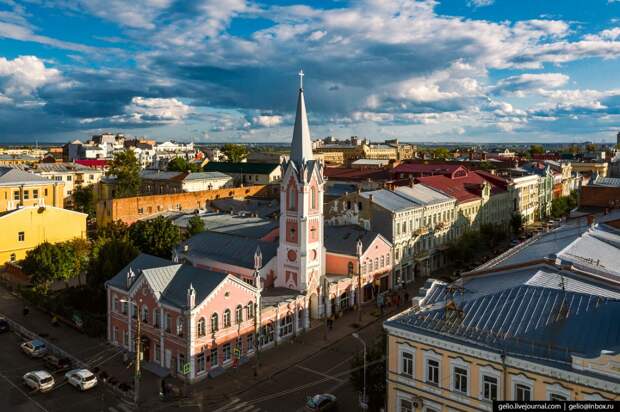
<point x="401" y="351"/>
<point x="459" y="363"/>
<point x="492" y="373"/>
<point x="428" y="406"/>
<point x="432" y="355"/>
<point x="521" y="380"/>
<point x="400" y="396"/>
<point x="557" y="389"/>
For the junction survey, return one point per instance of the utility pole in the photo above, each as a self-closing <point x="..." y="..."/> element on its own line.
<point x="325" y="295"/>
<point x="363" y="401"/>
<point x="136" y="385"/>
<point x="359" y="280"/>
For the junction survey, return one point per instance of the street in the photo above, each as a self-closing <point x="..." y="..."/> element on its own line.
<point x="15" y="396"/>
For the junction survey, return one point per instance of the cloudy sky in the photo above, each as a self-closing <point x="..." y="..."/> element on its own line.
<point x="226" y="70"/>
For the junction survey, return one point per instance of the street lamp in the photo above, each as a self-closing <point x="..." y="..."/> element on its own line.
<point x="363" y="401"/>
<point x="136" y="376"/>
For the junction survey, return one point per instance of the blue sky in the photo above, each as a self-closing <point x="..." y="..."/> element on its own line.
<point x="225" y="70"/>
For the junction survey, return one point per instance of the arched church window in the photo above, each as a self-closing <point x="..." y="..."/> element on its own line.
<point x="292" y="199"/>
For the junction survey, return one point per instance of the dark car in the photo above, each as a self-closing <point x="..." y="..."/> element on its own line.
<point x="321" y="403"/>
<point x="56" y="363"/>
<point x="4" y="326"/>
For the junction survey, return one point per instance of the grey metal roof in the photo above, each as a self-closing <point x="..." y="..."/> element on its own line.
<point x="343" y="239"/>
<point x="526" y="321"/>
<point x="13" y="176"/>
<point x="262" y="208"/>
<point x="390" y="200"/>
<point x="58" y="167"/>
<point x="607" y="181"/>
<point x="423" y="195"/>
<point x="245" y="226"/>
<point x="207" y="176"/>
<point x="169" y="281"/>
<point x="226" y="248"/>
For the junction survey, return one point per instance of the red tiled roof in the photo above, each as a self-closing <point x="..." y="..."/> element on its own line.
<point x="464" y="189"/>
<point x="343" y="173"/>
<point x="423" y="169"/>
<point x="92" y="162"/>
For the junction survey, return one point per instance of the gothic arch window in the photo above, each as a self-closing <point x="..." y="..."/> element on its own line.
<point x="249" y="310"/>
<point x="314" y="198"/>
<point x="292" y="198"/>
<point x="239" y="314"/>
<point x="201" y="327"/>
<point x="214" y="323"/>
<point x="227" y="318"/>
<point x="145" y="314"/>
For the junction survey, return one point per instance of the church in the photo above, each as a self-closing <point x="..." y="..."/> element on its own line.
<point x="228" y="293"/>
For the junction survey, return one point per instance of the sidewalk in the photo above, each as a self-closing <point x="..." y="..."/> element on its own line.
<point x="232" y="382"/>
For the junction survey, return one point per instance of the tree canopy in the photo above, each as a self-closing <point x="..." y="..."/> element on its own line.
<point x="84" y="199"/>
<point x="195" y="225"/>
<point x="156" y="236"/>
<point x="49" y="262"/>
<point x="235" y="152"/>
<point x="536" y="149"/>
<point x="126" y="168"/>
<point x="179" y="164"/>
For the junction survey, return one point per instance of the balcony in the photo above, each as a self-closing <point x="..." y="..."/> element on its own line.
<point x="421" y="231"/>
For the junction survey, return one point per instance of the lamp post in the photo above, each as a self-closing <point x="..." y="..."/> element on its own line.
<point x="136" y="375"/>
<point x="258" y="263"/>
<point x="363" y="401"/>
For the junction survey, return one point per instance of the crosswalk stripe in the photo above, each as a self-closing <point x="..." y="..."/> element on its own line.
<point x="112" y="409"/>
<point x="250" y="408"/>
<point x="228" y="405"/>
<point x="124" y="407"/>
<point x="239" y="406"/>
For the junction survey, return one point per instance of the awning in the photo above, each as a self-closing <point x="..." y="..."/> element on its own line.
<point x="156" y="369"/>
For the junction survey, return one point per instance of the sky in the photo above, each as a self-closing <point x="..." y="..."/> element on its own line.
<point x="226" y="70"/>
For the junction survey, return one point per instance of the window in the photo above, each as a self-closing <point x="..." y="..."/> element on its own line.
<point x="406" y="364"/>
<point x="45" y="192"/>
<point x="382" y="261"/>
<point x="227" y="318"/>
<point x="214" y="323"/>
<point x="157" y="352"/>
<point x="239" y="314"/>
<point x="124" y="308"/>
<point x="114" y="304"/>
<point x="489" y="388"/>
<point x="156" y="315"/>
<point x="69" y="178"/>
<point x="405" y="405"/>
<point x="21" y="237"/>
<point x="16" y="195"/>
<point x="167" y="323"/>
<point x="200" y="362"/>
<point x="250" y="342"/>
<point x="250" y="310"/>
<point x="180" y="363"/>
<point x="557" y="397"/>
<point x="126" y="339"/>
<point x="266" y="334"/>
<point x="35" y="194"/>
<point x="214" y="359"/>
<point x="26" y="195"/>
<point x="292" y="201"/>
<point x="376" y="263"/>
<point x="314" y="205"/>
<point x="145" y="314"/>
<point x="432" y="371"/>
<point x="179" y="326"/>
<point x="13" y="257"/>
<point x="201" y="327"/>
<point x="286" y="325"/>
<point x="522" y="392"/>
<point x="226" y="352"/>
<point x="460" y="379"/>
<point x="140" y="210"/>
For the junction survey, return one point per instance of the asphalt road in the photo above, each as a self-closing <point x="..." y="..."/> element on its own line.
<point x="16" y="397"/>
<point x="327" y="371"/>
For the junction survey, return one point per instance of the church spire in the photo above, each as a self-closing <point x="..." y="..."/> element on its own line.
<point x="301" y="147"/>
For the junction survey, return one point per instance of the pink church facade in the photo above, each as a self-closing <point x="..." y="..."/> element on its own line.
<point x="208" y="310"/>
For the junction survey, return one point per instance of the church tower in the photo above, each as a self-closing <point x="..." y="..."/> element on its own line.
<point x="301" y="253"/>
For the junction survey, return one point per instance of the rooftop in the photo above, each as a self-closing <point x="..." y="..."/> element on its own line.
<point x="244" y="226"/>
<point x="13" y="176"/>
<point x="251" y="168"/>
<point x="390" y="200"/>
<point x="423" y="194"/>
<point x="343" y="239"/>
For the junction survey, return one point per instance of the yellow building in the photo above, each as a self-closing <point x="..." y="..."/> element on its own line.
<point x="20" y="188"/>
<point x="520" y="327"/>
<point x="27" y="227"/>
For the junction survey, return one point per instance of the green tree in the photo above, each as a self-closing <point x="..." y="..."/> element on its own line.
<point x="156" y="236"/>
<point x="235" y="152"/>
<point x="179" y="164"/>
<point x="126" y="169"/>
<point x="84" y="199"/>
<point x="116" y="230"/>
<point x="50" y="262"/>
<point x="441" y="153"/>
<point x="536" y="149"/>
<point x="516" y="221"/>
<point x="195" y="225"/>
<point x="108" y="256"/>
<point x="590" y="147"/>
<point x="375" y="374"/>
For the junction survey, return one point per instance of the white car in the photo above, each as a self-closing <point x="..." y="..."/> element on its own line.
<point x="39" y="381"/>
<point x="83" y="379"/>
<point x="34" y="348"/>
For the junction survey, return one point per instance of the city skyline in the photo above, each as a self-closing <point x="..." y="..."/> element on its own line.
<point x="459" y="71"/>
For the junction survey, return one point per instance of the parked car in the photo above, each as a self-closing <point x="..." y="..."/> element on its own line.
<point x="57" y="364"/>
<point x="82" y="379"/>
<point x="41" y="381"/>
<point x="4" y="325"/>
<point x="321" y="403"/>
<point x="34" y="348"/>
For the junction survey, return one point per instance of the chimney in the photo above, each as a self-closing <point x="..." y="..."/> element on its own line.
<point x="590" y="220"/>
<point x="191" y="297"/>
<point x="130" y="278"/>
<point x="411" y="183"/>
<point x="370" y="198"/>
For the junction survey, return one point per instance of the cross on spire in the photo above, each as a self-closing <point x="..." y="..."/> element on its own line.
<point x="301" y="79"/>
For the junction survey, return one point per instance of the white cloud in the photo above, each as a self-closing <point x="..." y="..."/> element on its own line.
<point x="522" y="84"/>
<point x="480" y="3"/>
<point x="156" y="110"/>
<point x="267" y="120"/>
<point x="21" y="77"/>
